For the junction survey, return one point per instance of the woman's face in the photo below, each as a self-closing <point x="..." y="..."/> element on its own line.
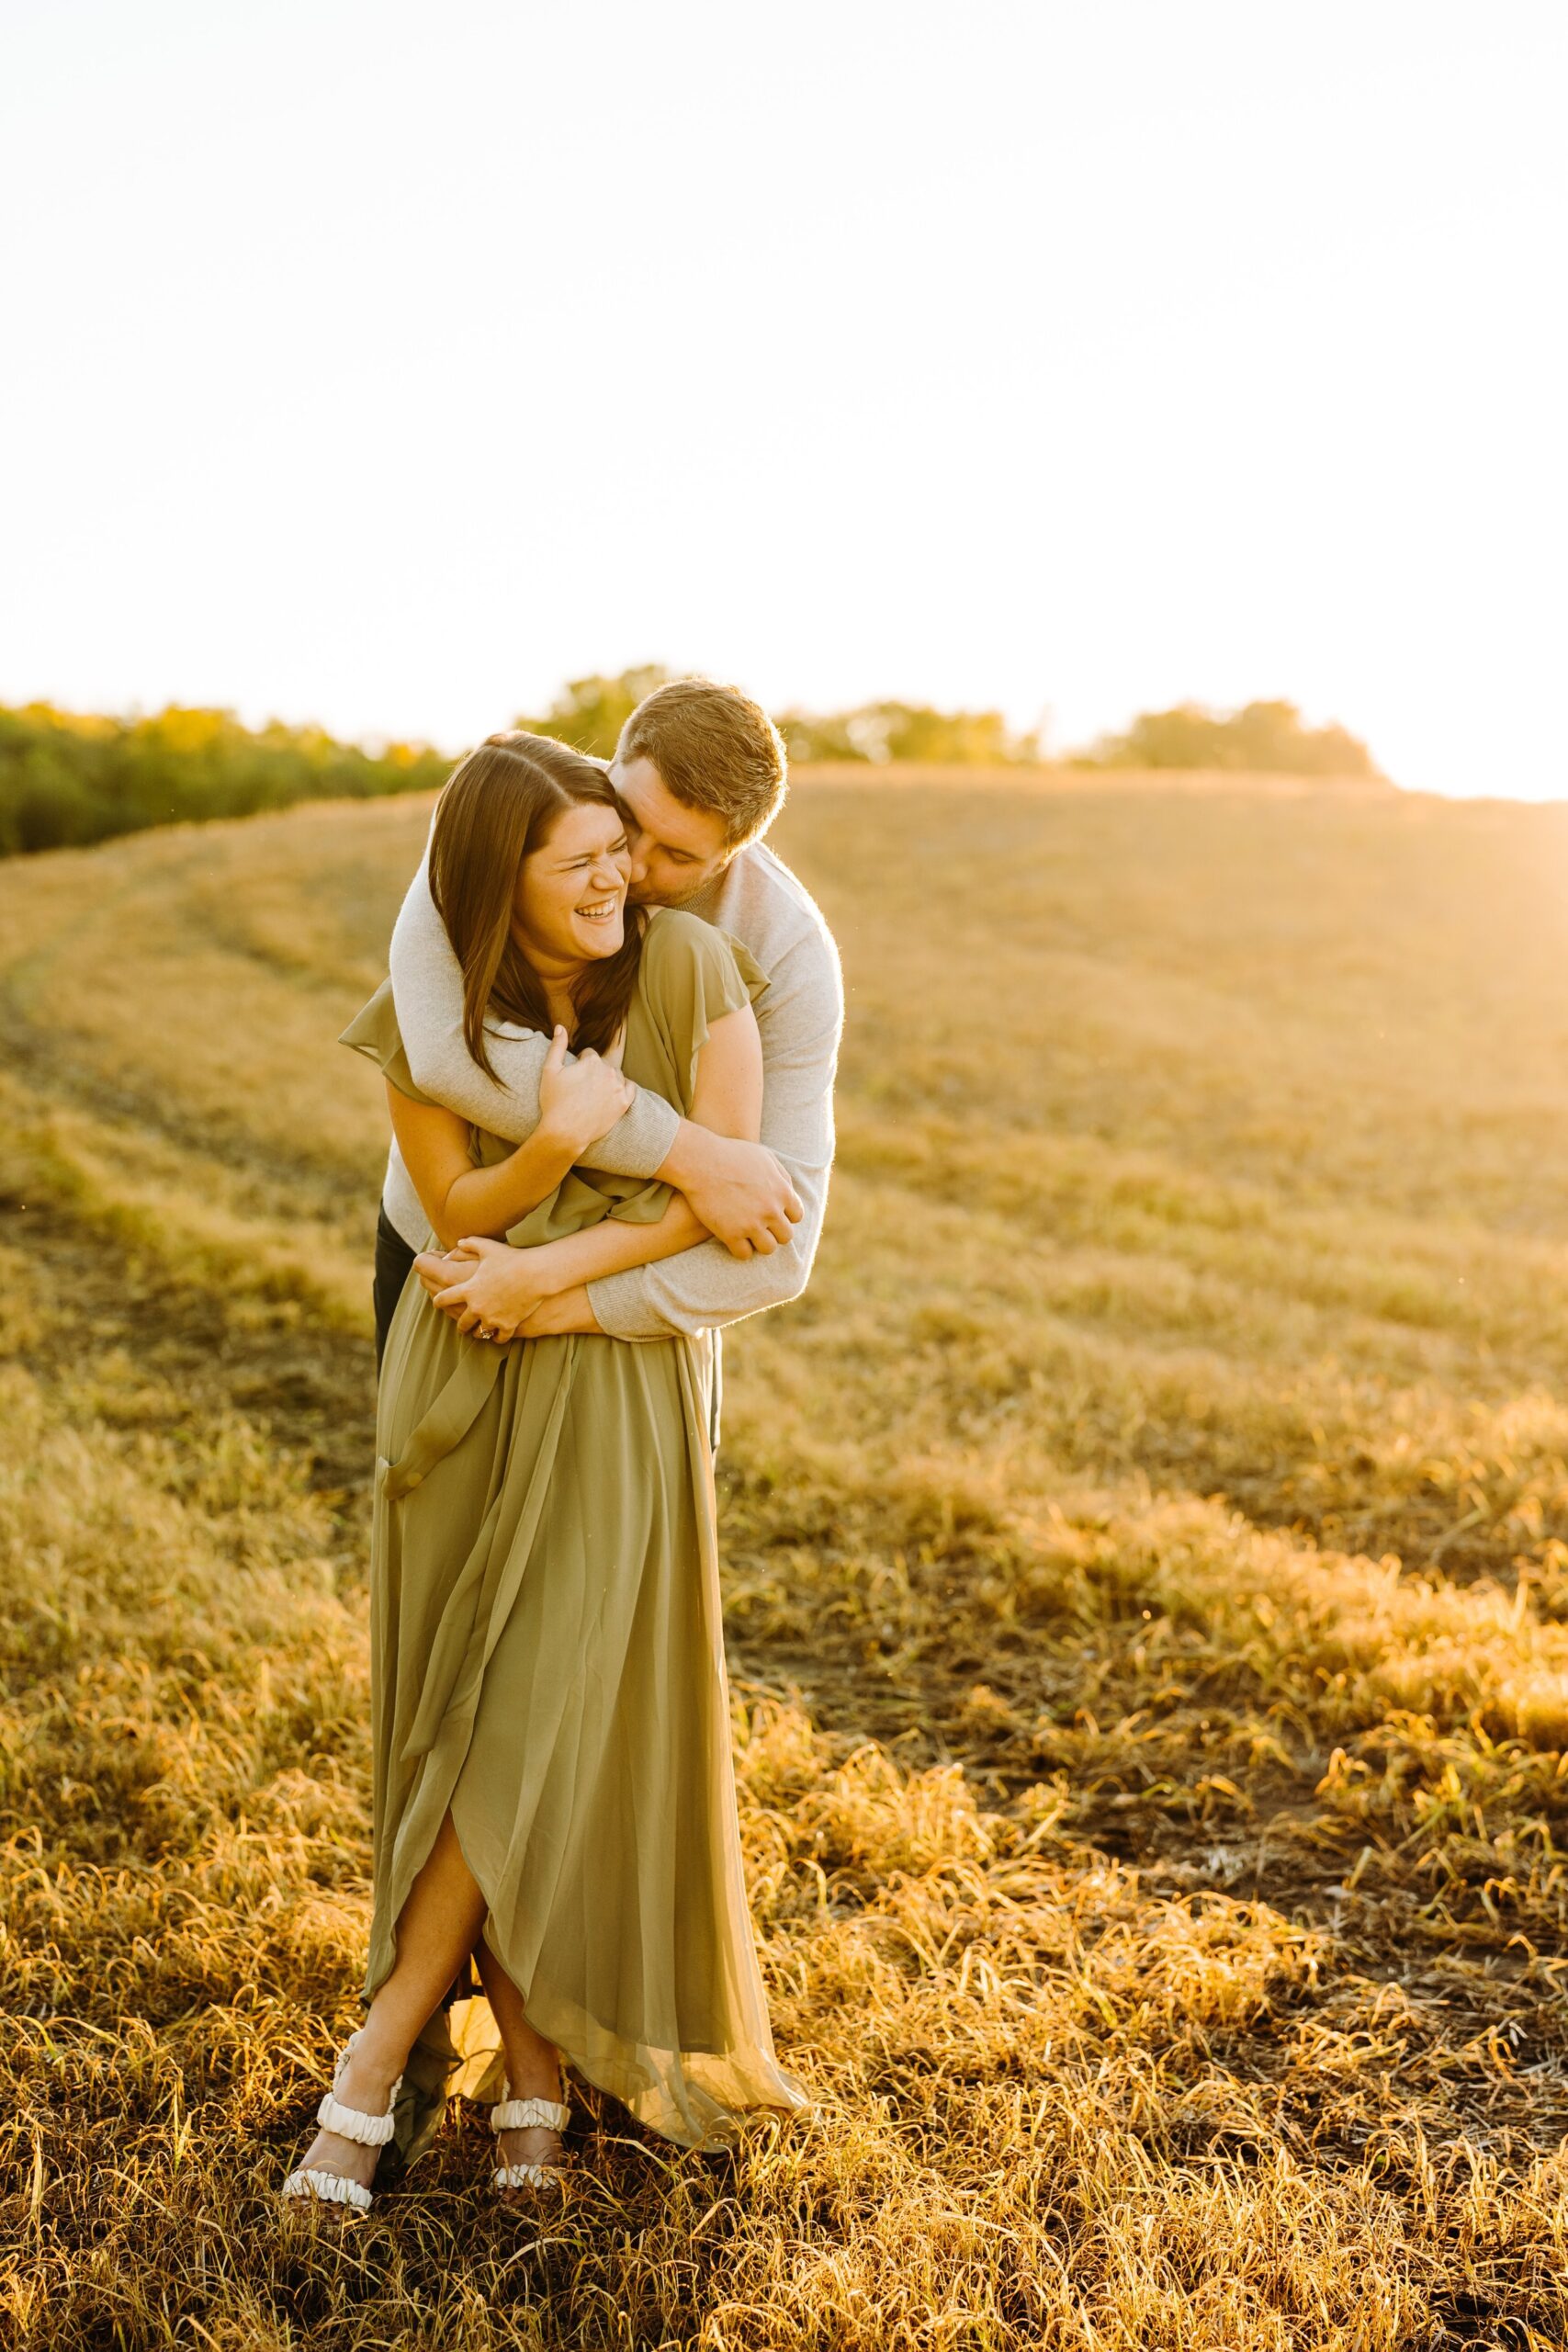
<point x="570" y="901"/>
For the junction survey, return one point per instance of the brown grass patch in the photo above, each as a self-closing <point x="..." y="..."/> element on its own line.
<point x="1147" y="1558"/>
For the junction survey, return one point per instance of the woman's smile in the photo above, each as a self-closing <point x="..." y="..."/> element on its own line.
<point x="600" y="922"/>
<point x="602" y="909"/>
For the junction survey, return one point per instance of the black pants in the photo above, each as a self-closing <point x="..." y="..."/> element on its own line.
<point x="394" y="1259"/>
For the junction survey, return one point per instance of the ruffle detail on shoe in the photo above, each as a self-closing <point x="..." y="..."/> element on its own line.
<point x="327" y="2188"/>
<point x="527" y="2176"/>
<point x="530" y="2115"/>
<point x="353" y="2123"/>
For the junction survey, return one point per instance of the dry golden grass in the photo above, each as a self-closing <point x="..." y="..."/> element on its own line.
<point x="1147" y="1579"/>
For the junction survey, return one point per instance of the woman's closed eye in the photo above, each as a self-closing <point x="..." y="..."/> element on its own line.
<point x="575" y="865"/>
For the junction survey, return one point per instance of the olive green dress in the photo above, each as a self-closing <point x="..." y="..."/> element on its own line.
<point x="548" y="1647"/>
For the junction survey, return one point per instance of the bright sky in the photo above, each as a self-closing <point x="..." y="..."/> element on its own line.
<point x="386" y="365"/>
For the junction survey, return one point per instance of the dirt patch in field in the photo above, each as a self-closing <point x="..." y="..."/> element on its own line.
<point x="163" y="1351"/>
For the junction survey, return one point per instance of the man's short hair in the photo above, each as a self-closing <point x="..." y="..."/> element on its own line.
<point x="714" y="748"/>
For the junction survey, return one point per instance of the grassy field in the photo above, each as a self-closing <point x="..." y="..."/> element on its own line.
<point x="1146" y="1556"/>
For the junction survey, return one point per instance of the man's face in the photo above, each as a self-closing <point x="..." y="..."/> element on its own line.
<point x="675" y="849"/>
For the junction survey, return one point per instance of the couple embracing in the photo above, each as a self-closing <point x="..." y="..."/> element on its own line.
<point x="608" y="1041"/>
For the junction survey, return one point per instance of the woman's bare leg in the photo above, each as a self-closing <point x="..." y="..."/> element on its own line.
<point x="533" y="2065"/>
<point x="435" y="1933"/>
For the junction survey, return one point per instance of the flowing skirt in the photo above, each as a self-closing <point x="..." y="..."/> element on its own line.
<point x="548" y="1663"/>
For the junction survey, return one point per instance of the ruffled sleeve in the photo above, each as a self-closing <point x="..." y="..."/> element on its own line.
<point x="692" y="975"/>
<point x="374" y="1033"/>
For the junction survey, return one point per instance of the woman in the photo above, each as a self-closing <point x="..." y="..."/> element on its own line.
<point x="554" y="1791"/>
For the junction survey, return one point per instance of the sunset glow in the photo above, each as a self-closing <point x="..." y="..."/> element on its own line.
<point x="384" y="369"/>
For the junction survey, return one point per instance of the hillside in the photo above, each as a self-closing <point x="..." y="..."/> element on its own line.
<point x="1146" y="1556"/>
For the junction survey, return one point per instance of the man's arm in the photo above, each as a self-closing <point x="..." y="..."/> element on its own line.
<point x="427" y="989"/>
<point x="498" y="1289"/>
<point x="738" y="1191"/>
<point x="706" y="1288"/>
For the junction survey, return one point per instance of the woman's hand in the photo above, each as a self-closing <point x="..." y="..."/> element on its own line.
<point x="488" y="1288"/>
<point x="583" y="1102"/>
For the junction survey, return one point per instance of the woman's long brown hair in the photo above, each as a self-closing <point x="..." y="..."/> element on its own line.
<point x="499" y="805"/>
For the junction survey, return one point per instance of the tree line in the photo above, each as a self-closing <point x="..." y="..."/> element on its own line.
<point x="590" y="713"/>
<point x="1267" y="737"/>
<point x="66" y="780"/>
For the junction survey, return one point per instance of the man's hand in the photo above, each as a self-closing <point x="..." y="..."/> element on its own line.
<point x="438" y="1269"/>
<point x="739" y="1190"/>
<point x="583" y="1102"/>
<point x="489" y="1289"/>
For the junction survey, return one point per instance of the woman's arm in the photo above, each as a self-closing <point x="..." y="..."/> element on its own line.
<point x="459" y="1198"/>
<point x="576" y="1106"/>
<point x="487" y="1285"/>
<point x="499" y="1288"/>
<point x="727" y="1099"/>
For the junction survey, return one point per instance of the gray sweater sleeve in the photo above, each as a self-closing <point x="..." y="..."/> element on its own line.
<point x="705" y="1288"/>
<point x="427" y="989"/>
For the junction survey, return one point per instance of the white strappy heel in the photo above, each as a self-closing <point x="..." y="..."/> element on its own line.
<point x="529" y="2115"/>
<point x="349" y="2123"/>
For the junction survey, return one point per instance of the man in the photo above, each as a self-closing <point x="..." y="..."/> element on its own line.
<point x="701" y="771"/>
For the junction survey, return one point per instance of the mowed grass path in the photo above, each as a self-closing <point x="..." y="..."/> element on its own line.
<point x="1147" y="1582"/>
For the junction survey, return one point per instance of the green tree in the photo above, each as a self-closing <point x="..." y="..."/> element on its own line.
<point x="66" y="779"/>
<point x="1265" y="737"/>
<point x="589" y="713"/>
<point x="882" y="732"/>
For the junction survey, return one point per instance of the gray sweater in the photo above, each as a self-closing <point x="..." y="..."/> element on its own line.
<point x="800" y="1016"/>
